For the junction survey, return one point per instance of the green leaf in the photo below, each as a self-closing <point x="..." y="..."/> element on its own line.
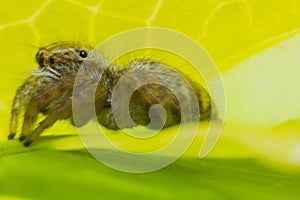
<point x="66" y="175"/>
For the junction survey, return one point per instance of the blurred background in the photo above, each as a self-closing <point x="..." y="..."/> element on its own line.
<point x="255" y="45"/>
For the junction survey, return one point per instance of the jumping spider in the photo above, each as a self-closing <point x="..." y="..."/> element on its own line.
<point x="49" y="91"/>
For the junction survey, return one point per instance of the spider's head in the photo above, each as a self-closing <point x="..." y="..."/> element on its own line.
<point x="62" y="54"/>
<point x="67" y="57"/>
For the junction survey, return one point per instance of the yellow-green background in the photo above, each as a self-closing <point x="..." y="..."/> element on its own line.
<point x="258" y="154"/>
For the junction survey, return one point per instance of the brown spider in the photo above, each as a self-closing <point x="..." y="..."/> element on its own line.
<point x="50" y="91"/>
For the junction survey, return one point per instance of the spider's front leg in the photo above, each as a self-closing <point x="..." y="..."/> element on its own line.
<point x="43" y="102"/>
<point x="23" y="95"/>
<point x="55" y="101"/>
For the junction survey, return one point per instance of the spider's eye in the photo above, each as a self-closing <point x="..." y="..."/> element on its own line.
<point x="83" y="54"/>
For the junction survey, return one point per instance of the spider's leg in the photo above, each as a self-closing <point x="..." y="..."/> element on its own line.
<point x="14" y="118"/>
<point x="159" y="84"/>
<point x="139" y="106"/>
<point x="46" y="123"/>
<point x="54" y="103"/>
<point x="88" y="96"/>
<point x="30" y="117"/>
<point x="16" y="108"/>
<point x="21" y="99"/>
<point x="106" y="118"/>
<point x="59" y="102"/>
<point x="43" y="97"/>
<point x="141" y="102"/>
<point x="154" y="94"/>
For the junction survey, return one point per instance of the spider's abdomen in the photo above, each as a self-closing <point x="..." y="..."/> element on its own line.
<point x="145" y="83"/>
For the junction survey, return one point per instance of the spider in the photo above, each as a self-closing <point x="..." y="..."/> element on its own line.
<point x="49" y="91"/>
